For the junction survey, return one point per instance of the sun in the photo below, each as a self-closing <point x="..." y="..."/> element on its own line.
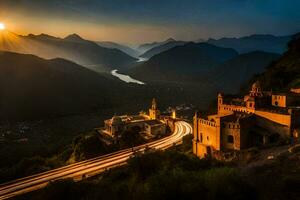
<point x="2" y="26"/>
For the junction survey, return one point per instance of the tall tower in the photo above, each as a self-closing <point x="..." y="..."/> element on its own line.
<point x="195" y="134"/>
<point x="256" y="90"/>
<point x="173" y="114"/>
<point x="153" y="111"/>
<point x="154" y="105"/>
<point x="220" y="101"/>
<point x="195" y="122"/>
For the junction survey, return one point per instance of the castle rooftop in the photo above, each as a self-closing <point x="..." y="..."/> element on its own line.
<point x="153" y="122"/>
<point x="236" y="116"/>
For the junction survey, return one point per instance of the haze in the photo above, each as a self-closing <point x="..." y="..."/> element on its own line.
<point x="136" y="21"/>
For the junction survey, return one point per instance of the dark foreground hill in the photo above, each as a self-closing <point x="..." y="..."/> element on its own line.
<point x="73" y="47"/>
<point x="285" y="72"/>
<point x="176" y="175"/>
<point x="32" y="87"/>
<point x="231" y="74"/>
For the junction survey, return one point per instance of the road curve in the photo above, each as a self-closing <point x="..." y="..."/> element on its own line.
<point x="90" y="167"/>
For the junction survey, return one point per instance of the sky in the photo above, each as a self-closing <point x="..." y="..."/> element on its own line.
<point x="139" y="21"/>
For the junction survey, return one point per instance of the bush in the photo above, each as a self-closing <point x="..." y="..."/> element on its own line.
<point x="88" y="146"/>
<point x="156" y="175"/>
<point x="187" y="142"/>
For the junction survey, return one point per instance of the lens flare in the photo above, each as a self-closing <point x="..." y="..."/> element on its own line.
<point x="2" y="26"/>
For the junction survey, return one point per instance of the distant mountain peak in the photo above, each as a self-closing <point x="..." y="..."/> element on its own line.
<point x="260" y="36"/>
<point x="170" y="40"/>
<point x="41" y="36"/>
<point x="200" y="40"/>
<point x="74" y="37"/>
<point x="263" y="42"/>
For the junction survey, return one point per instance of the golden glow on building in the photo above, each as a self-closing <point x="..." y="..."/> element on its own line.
<point x="173" y="114"/>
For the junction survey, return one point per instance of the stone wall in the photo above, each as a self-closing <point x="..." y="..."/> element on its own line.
<point x="209" y="133"/>
<point x="230" y="129"/>
<point x="200" y="150"/>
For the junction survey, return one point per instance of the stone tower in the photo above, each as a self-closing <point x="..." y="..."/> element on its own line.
<point x="153" y="111"/>
<point x="256" y="90"/>
<point x="195" y="123"/>
<point x="195" y="133"/>
<point x="220" y="101"/>
<point x="173" y="114"/>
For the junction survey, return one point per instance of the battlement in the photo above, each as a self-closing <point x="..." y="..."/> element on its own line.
<point x="207" y="122"/>
<point x="230" y="107"/>
<point x="231" y="125"/>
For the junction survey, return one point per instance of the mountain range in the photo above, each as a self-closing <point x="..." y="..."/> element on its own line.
<point x="257" y="42"/>
<point x="126" y="49"/>
<point x="147" y="46"/>
<point x="72" y="47"/>
<point x="204" y="64"/>
<point x="161" y="48"/>
<point x="32" y="87"/>
<point x="182" y="62"/>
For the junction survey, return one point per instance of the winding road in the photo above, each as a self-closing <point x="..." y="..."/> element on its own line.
<point x="87" y="168"/>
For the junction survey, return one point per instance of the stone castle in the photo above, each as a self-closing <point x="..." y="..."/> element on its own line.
<point x="259" y="118"/>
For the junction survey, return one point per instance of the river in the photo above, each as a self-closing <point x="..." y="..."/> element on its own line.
<point x="126" y="78"/>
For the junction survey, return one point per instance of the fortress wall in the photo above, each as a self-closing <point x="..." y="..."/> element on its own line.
<point x="235" y="132"/>
<point x="207" y="122"/>
<point x="195" y="147"/>
<point x="208" y="133"/>
<point x="200" y="150"/>
<point x="227" y="109"/>
<point x="283" y="119"/>
<point x="204" y="137"/>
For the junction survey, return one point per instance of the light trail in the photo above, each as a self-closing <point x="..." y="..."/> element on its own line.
<point x="90" y="167"/>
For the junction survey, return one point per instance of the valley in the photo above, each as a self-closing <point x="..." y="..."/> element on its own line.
<point x="56" y="91"/>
